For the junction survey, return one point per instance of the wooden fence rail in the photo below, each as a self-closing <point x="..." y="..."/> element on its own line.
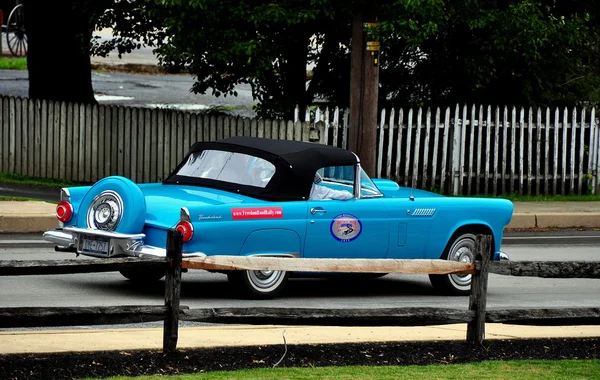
<point x="475" y="317"/>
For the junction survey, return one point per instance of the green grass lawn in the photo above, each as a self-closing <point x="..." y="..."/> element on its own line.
<point x="13" y="63"/>
<point x="27" y="180"/>
<point x="17" y="199"/>
<point x="551" y="370"/>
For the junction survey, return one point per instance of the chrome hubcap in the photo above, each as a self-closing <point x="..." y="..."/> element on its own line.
<point x="462" y="251"/>
<point x="265" y="279"/>
<point x="105" y="212"/>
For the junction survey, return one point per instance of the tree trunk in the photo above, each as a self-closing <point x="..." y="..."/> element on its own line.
<point x="364" y="85"/>
<point x="294" y="83"/>
<point x="58" y="57"/>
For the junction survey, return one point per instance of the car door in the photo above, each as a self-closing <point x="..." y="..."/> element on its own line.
<point x="355" y="228"/>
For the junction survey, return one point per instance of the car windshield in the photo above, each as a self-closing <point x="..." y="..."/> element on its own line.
<point x="239" y="168"/>
<point x="343" y="177"/>
<point x="367" y="187"/>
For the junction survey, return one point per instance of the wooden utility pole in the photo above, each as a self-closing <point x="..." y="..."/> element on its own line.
<point x="364" y="88"/>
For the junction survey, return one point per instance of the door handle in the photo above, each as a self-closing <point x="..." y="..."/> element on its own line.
<point x="315" y="210"/>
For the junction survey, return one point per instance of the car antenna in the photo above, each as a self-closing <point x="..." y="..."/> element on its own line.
<point x="414" y="182"/>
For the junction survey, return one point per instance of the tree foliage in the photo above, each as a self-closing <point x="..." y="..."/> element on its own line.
<point x="434" y="52"/>
<point x="491" y="52"/>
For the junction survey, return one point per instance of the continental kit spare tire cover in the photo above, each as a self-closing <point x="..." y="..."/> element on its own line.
<point x="113" y="204"/>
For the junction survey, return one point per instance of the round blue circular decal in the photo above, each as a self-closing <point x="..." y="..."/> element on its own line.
<point x="345" y="227"/>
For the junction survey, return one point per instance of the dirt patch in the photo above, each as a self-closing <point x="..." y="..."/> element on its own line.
<point x="136" y="363"/>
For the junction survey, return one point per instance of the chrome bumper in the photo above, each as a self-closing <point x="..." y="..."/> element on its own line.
<point x="119" y="245"/>
<point x="503" y="256"/>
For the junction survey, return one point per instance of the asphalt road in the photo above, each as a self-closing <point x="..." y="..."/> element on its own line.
<point x="203" y="289"/>
<point x="171" y="91"/>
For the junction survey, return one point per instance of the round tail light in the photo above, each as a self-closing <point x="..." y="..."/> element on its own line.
<point x="64" y="211"/>
<point x="186" y="229"/>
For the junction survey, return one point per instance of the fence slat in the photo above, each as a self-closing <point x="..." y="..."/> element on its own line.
<point x="513" y="151"/>
<point x="16" y="142"/>
<point x="521" y="147"/>
<point x="463" y="148"/>
<point x="538" y="159"/>
<point x="497" y="161"/>
<point x="580" y="177"/>
<point x="593" y="156"/>
<point x="415" y="166"/>
<point x="84" y="166"/>
<point x="121" y="136"/>
<point x="282" y="129"/>
<point x="336" y="126"/>
<point x="44" y="138"/>
<point x="529" y="150"/>
<point x="380" y="134"/>
<point x="487" y="149"/>
<point x="505" y="150"/>
<point x="426" y="149"/>
<point x="72" y="140"/>
<point x="29" y="123"/>
<point x="530" y="166"/>
<point x="472" y="127"/>
<point x="565" y="136"/>
<point x="3" y="136"/>
<point x="408" y="156"/>
<point x="345" y="129"/>
<point x="455" y="179"/>
<point x="399" y="145"/>
<point x="34" y="114"/>
<point x="162" y="143"/>
<point x="436" y="144"/>
<point x="100" y="142"/>
<point x="547" y="152"/>
<point x="572" y="155"/>
<point x="445" y="148"/>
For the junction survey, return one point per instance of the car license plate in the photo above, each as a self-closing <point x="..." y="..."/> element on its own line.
<point x="94" y="244"/>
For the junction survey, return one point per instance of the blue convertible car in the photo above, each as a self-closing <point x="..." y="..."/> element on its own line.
<point x="251" y="196"/>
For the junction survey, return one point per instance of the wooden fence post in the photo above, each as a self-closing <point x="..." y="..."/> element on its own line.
<point x="172" y="290"/>
<point x="478" y="297"/>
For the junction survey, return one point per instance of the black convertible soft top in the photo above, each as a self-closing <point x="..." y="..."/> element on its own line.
<point x="295" y="161"/>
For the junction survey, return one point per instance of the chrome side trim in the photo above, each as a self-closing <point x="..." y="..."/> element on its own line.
<point x="290" y="254"/>
<point x="357" y="179"/>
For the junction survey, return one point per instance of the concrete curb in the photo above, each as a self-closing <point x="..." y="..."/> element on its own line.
<point x="555" y="220"/>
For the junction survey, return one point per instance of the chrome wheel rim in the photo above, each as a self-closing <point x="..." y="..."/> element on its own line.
<point x="105" y="211"/>
<point x="463" y="251"/>
<point x="265" y="280"/>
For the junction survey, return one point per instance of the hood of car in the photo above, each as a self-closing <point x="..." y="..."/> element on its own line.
<point x="164" y="202"/>
<point x="405" y="192"/>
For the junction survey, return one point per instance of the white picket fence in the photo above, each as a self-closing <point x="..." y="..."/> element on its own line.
<point x="482" y="150"/>
<point x="460" y="150"/>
